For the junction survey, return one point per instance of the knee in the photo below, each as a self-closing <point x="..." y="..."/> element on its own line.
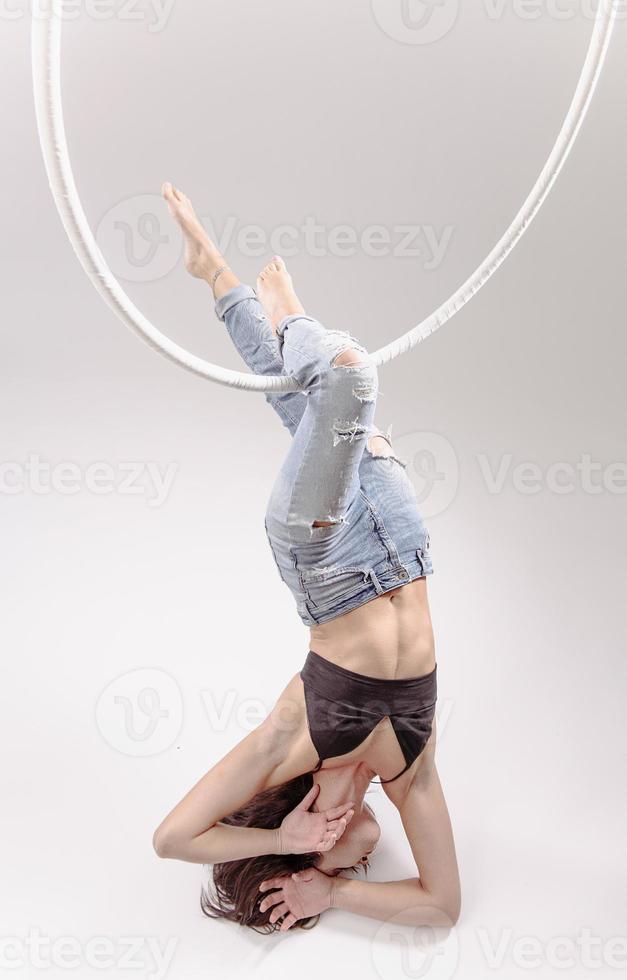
<point x="359" y="373"/>
<point x="351" y="358"/>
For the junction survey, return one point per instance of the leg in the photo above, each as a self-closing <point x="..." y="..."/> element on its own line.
<point x="236" y="305"/>
<point x="251" y="326"/>
<point x="202" y="258"/>
<point x="320" y="476"/>
<point x="249" y="329"/>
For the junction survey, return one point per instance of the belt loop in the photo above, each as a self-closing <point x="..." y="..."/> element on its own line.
<point x="370" y="574"/>
<point x="420" y="556"/>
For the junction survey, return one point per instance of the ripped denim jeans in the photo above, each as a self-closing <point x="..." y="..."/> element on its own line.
<point x="374" y="539"/>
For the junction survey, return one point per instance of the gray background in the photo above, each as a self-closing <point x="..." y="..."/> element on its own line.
<point x="265" y="114"/>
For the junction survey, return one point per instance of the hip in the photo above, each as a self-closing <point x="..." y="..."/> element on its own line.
<point x="381" y="546"/>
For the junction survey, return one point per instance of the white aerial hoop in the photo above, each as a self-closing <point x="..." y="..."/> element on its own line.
<point x="46" y="62"/>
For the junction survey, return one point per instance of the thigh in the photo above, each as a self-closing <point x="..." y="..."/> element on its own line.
<point x="320" y="476"/>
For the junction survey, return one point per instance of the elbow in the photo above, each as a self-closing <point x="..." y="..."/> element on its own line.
<point x="450" y="907"/>
<point x="164" y="843"/>
<point x="453" y="910"/>
<point x="444" y="909"/>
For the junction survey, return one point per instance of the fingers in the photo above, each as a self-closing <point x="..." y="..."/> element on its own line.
<point x="333" y="833"/>
<point x="277" y="882"/>
<point x="279" y="912"/>
<point x="288" y="922"/>
<point x="340" y="811"/>
<point x="311" y="795"/>
<point x="338" y="827"/>
<point x="271" y="900"/>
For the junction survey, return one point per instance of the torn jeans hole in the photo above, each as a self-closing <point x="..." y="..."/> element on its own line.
<point x="344" y="431"/>
<point x="391" y="455"/>
<point x="347" y="342"/>
<point x="329" y="521"/>
<point x="365" y="391"/>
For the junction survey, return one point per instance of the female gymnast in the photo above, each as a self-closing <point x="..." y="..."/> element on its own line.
<point x="282" y="818"/>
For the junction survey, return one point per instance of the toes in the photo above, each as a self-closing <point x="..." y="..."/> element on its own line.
<point x="276" y="265"/>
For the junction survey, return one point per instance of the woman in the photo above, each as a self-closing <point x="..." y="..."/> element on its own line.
<point x="282" y="817"/>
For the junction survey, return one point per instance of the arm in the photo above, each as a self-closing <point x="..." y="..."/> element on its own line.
<point x="433" y="898"/>
<point x="193" y="832"/>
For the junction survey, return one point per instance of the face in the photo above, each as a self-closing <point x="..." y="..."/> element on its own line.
<point x="355" y="846"/>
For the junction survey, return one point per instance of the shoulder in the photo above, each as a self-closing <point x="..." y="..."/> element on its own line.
<point x="419" y="778"/>
<point x="284" y="735"/>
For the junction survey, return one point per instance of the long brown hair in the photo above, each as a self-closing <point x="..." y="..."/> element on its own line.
<point x="236" y="894"/>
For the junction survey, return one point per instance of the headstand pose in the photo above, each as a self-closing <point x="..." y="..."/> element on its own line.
<point x="282" y="818"/>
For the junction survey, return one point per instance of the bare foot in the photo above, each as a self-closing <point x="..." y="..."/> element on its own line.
<point x="202" y="258"/>
<point x="276" y="292"/>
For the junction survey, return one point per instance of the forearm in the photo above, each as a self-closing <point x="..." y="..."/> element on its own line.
<point x="222" y="843"/>
<point x="407" y="902"/>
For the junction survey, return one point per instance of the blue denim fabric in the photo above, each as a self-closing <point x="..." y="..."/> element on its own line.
<point x="378" y="541"/>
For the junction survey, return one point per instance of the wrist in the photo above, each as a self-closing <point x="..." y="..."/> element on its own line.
<point x="278" y="842"/>
<point x="337" y="885"/>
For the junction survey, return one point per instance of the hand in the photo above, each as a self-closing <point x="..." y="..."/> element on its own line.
<point x="298" y="896"/>
<point x="303" y="832"/>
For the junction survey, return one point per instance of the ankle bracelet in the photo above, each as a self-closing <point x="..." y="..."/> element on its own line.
<point x="217" y="274"/>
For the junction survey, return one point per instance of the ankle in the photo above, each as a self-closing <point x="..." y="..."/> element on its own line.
<point x="224" y="283"/>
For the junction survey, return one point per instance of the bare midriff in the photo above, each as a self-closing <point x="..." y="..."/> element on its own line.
<point x="389" y="637"/>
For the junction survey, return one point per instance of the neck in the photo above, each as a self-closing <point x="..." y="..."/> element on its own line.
<point x="342" y="784"/>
